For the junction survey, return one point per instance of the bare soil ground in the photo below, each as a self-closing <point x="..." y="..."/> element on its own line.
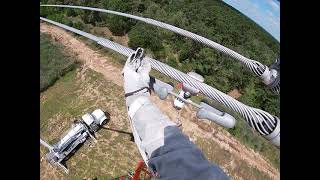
<point x="104" y="31"/>
<point x="235" y="94"/>
<point x="219" y="146"/>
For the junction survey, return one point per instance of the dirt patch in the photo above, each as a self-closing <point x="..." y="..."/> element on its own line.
<point x="224" y="144"/>
<point x="86" y="55"/>
<point x="104" y="31"/>
<point x="235" y="93"/>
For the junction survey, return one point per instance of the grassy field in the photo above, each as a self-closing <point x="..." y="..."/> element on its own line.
<point x="53" y="62"/>
<point x="83" y="90"/>
<point x="76" y="93"/>
<point x="224" y="157"/>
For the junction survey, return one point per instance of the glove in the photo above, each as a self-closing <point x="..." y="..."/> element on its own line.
<point x="136" y="77"/>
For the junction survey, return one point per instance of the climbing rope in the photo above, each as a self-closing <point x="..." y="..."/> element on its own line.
<point x="255" y="67"/>
<point x="263" y="122"/>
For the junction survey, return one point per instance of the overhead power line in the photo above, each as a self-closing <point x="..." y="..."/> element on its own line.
<point x="263" y="122"/>
<point x="269" y="76"/>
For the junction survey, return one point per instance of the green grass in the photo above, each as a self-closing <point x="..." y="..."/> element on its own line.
<point x="54" y="63"/>
<point x="69" y="98"/>
<point x="220" y="157"/>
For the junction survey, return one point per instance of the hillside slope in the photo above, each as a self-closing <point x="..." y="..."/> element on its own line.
<point x="212" y="19"/>
<point x="87" y="90"/>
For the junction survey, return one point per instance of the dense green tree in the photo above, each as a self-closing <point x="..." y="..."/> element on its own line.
<point x="146" y="36"/>
<point x="91" y="17"/>
<point x="118" y="25"/>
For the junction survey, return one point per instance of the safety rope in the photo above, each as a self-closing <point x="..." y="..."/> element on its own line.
<point x="263" y="122"/>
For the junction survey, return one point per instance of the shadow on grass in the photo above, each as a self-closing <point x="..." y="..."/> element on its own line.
<point x="120" y="131"/>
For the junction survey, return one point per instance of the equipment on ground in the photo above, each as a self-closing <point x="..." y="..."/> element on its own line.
<point x="81" y="130"/>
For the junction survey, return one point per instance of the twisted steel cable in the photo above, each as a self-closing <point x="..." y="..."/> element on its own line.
<point x="260" y="70"/>
<point x="263" y="122"/>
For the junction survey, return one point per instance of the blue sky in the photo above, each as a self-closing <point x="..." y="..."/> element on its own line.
<point x="266" y="13"/>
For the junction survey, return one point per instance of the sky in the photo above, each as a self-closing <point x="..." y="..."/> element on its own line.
<point x="265" y="13"/>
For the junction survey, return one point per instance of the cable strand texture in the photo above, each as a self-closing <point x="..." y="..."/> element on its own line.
<point x="261" y="121"/>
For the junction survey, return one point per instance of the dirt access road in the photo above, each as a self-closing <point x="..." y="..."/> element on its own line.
<point x="200" y="132"/>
